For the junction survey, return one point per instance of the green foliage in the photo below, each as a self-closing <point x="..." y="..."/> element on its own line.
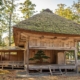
<point x="72" y="13"/>
<point x="70" y="55"/>
<point x="1" y="2"/>
<point x="27" y="8"/>
<point x="76" y="6"/>
<point x="64" y="12"/>
<point x="7" y="18"/>
<point x="40" y="56"/>
<point x="76" y="11"/>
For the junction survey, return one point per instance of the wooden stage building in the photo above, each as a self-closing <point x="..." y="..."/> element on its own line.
<point x="55" y="35"/>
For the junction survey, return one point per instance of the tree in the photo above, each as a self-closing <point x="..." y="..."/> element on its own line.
<point x="27" y="8"/>
<point x="60" y="10"/>
<point x="40" y="56"/>
<point x="64" y="12"/>
<point x="76" y="6"/>
<point x="0" y="2"/>
<point x="7" y="19"/>
<point x="71" y="13"/>
<point x="8" y="16"/>
<point x="76" y="11"/>
<point x="2" y="23"/>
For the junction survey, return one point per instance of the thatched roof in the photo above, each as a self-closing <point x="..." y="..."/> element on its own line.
<point x="46" y="21"/>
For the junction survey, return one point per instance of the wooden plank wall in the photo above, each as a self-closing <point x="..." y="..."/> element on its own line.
<point x="34" y="42"/>
<point x="19" y="56"/>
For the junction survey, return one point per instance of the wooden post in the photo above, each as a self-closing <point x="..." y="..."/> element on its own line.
<point x="9" y="56"/>
<point x="4" y="55"/>
<point x="26" y="55"/>
<point x="76" y="56"/>
<point x="64" y="57"/>
<point x="1" y="56"/>
<point x="17" y="55"/>
<point x="24" y="58"/>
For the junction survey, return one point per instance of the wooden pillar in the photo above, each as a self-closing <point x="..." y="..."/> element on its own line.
<point x="1" y="56"/>
<point x="24" y="59"/>
<point x="64" y="57"/>
<point x="4" y="56"/>
<point x="9" y="56"/>
<point x="17" y="55"/>
<point x="76" y="56"/>
<point x="26" y="55"/>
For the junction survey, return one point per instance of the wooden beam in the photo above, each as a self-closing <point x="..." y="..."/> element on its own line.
<point x="22" y="34"/>
<point x="38" y="36"/>
<point x="51" y="48"/>
<point x="46" y="33"/>
<point x="42" y="36"/>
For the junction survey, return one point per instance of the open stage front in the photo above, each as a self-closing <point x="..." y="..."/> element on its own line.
<point x="13" y="57"/>
<point x="56" y="57"/>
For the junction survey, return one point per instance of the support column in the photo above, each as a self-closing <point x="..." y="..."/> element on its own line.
<point x="64" y="57"/>
<point x="9" y="56"/>
<point x="24" y="59"/>
<point x="26" y="55"/>
<point x="76" y="63"/>
<point x="1" y="56"/>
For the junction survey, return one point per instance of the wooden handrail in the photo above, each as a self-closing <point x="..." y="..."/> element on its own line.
<point x="11" y="62"/>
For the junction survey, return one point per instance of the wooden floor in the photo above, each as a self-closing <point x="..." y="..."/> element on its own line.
<point x="53" y="68"/>
<point x="46" y="66"/>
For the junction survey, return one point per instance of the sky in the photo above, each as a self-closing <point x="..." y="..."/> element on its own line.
<point x="51" y="4"/>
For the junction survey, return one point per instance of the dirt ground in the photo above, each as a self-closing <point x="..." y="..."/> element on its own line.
<point x="46" y="78"/>
<point x="12" y="74"/>
<point x="53" y="78"/>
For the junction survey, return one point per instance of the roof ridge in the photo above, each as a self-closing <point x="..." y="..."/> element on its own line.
<point x="47" y="10"/>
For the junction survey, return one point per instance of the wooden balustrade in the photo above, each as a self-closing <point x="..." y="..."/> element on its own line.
<point x="12" y="64"/>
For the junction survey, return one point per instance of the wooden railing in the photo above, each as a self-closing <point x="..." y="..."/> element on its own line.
<point x="12" y="64"/>
<point x="70" y="62"/>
